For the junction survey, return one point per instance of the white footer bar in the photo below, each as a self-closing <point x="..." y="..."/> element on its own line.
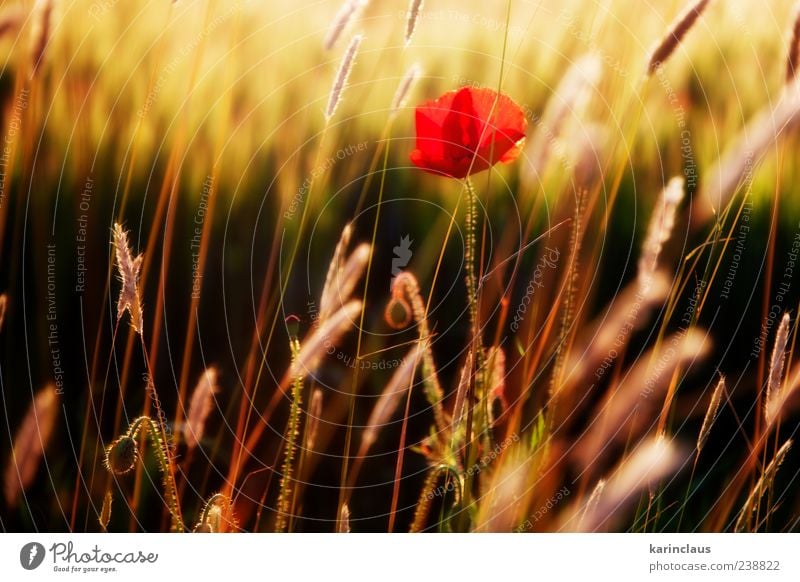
<point x="400" y="557"/>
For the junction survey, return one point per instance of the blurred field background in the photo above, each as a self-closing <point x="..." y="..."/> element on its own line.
<point x="181" y="118"/>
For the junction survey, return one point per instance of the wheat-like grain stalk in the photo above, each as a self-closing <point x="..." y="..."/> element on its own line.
<point x="11" y="19"/>
<point x="677" y="31"/>
<point x="344" y="16"/>
<point x="496" y="381"/>
<point x="200" y="406"/>
<point x="343" y="525"/>
<point x="651" y="462"/>
<point x="567" y="102"/>
<point x="322" y="339"/>
<point x="505" y="499"/>
<point x="404" y="88"/>
<point x="777" y="404"/>
<point x="778" y="358"/>
<point x="30" y="442"/>
<point x="399" y="384"/>
<point x="414" y="10"/>
<point x="591" y="503"/>
<point x="326" y="300"/>
<point x="314" y="415"/>
<point x="105" y="511"/>
<point x="659" y="230"/>
<point x="128" y="268"/>
<point x="764" y="482"/>
<point x="612" y="331"/>
<point x="41" y="16"/>
<point x="342" y="74"/>
<point x="711" y="414"/>
<point x="736" y="167"/>
<point x="628" y="405"/>
<point x="3" y="307"/>
<point x="777" y="395"/>
<point x="461" y="392"/>
<point x="344" y="282"/>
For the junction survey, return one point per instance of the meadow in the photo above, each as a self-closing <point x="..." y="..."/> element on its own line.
<point x="392" y="265"/>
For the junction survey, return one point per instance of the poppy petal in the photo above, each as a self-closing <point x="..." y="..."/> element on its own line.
<point x="467" y="131"/>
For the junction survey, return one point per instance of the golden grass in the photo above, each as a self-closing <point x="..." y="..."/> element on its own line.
<point x="248" y="116"/>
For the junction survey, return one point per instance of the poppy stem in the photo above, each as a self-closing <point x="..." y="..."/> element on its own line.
<point x="469" y="252"/>
<point x="473" y="288"/>
<point x="476" y="344"/>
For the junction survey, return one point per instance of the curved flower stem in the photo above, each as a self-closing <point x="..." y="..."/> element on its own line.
<point x="155" y="432"/>
<point x="213" y="513"/>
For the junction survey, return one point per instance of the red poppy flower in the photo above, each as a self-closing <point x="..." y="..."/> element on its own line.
<point x="463" y="132"/>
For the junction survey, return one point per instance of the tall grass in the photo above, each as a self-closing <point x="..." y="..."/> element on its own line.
<point x="363" y="363"/>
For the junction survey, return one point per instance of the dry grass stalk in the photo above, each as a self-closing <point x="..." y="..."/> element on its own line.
<point x="778" y="359"/>
<point x="793" y="57"/>
<point x="344" y="282"/>
<point x="315" y="346"/>
<point x="326" y="300"/>
<point x="496" y="381"/>
<point x="677" y="31"/>
<point x="651" y="462"/>
<point x="401" y="381"/>
<point x="404" y="88"/>
<point x="711" y="414"/>
<point x="128" y="268"/>
<point x="629" y="405"/>
<point x="461" y="391"/>
<point x="569" y="101"/>
<point x="346" y="14"/>
<point x="41" y="16"/>
<point x="3" y="306"/>
<point x="591" y="503"/>
<point x="322" y="339"/>
<point x="612" y="331"/>
<point x="414" y="10"/>
<point x="775" y="406"/>
<point x="340" y="81"/>
<point x="30" y="442"/>
<point x="314" y="415"/>
<point x="659" y="230"/>
<point x="503" y="506"/>
<point x="584" y="152"/>
<point x="737" y="166"/>
<point x="200" y="406"/>
<point x="343" y="525"/>
<point x="761" y="486"/>
<point x="570" y="289"/>
<point x="11" y="19"/>
<point x="105" y="511"/>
